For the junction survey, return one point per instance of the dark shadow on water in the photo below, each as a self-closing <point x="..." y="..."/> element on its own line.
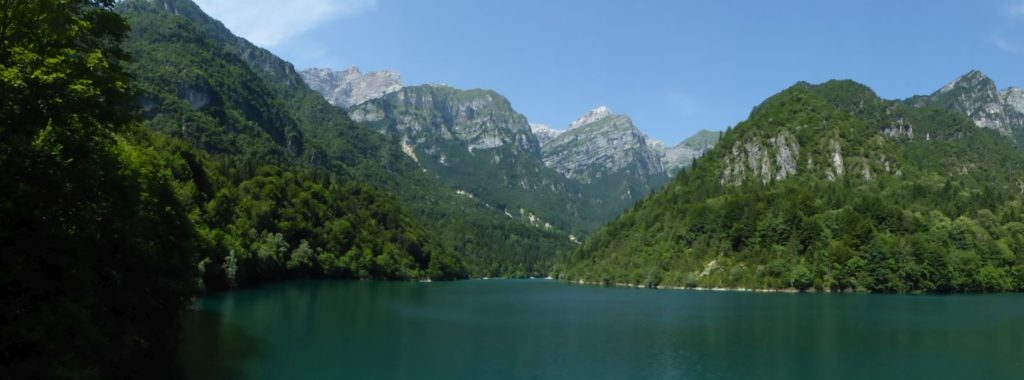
<point x="215" y="348"/>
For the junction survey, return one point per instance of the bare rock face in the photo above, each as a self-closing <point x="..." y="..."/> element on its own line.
<point x="591" y="116"/>
<point x="767" y="160"/>
<point x="1014" y="96"/>
<point x="350" y="87"/>
<point x="544" y="133"/>
<point x="428" y="116"/>
<point x="899" y="129"/>
<point x="477" y="143"/>
<point x="675" y="157"/>
<point x="838" y="167"/>
<point x="683" y="154"/>
<point x="601" y="143"/>
<point x="977" y="96"/>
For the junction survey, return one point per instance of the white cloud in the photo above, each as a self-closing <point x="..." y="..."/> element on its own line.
<point x="1015" y="9"/>
<point x="1003" y="44"/>
<point x="270" y="22"/>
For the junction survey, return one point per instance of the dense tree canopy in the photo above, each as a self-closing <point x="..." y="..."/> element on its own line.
<point x="96" y="252"/>
<point x="239" y="108"/>
<point x="933" y="210"/>
<point x="142" y="167"/>
<point x="108" y="228"/>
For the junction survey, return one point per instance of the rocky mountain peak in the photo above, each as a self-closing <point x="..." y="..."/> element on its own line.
<point x="544" y="133"/>
<point x="346" y="88"/>
<point x="976" y="96"/>
<point x="1014" y="96"/>
<point x="351" y="70"/>
<point x="591" y="116"/>
<point x="430" y="115"/>
<point x="974" y="82"/>
<point x="600" y="143"/>
<point x="682" y="155"/>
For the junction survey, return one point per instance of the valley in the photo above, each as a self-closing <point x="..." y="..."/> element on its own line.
<point x="182" y="201"/>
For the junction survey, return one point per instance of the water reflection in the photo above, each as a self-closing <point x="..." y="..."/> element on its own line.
<point x="217" y="348"/>
<point x="550" y="330"/>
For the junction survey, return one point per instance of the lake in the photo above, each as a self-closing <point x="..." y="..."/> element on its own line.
<point x="543" y="329"/>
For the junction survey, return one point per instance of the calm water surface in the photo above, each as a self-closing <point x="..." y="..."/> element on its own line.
<point x="538" y="329"/>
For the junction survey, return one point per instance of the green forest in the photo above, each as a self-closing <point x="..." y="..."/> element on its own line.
<point x="147" y="161"/>
<point x="149" y="156"/>
<point x="237" y="108"/>
<point x="937" y="212"/>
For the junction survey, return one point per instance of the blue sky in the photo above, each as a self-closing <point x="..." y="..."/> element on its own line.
<point x="674" y="66"/>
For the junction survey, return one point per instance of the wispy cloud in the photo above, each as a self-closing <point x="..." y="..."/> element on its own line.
<point x="1015" y="9"/>
<point x="1006" y="35"/>
<point x="272" y="22"/>
<point x="1003" y="44"/>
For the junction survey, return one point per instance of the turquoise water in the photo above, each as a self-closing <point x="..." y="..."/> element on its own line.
<point x="540" y="329"/>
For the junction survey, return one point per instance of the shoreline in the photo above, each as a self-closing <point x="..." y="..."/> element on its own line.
<point x="659" y="287"/>
<point x="703" y="289"/>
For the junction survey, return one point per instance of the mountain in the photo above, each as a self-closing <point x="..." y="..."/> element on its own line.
<point x="702" y="140"/>
<point x="571" y="181"/>
<point x="475" y="142"/>
<point x="977" y="96"/>
<point x="832" y="188"/>
<point x="1014" y="96"/>
<point x="544" y="133"/>
<point x="255" y="137"/>
<point x="607" y="152"/>
<point x="591" y="116"/>
<point x="683" y="154"/>
<point x="349" y="87"/>
<point x="476" y="119"/>
<point x="576" y="152"/>
<point x="600" y="143"/>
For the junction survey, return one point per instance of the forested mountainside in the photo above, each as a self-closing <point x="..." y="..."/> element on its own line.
<point x="243" y="108"/>
<point x="150" y="154"/>
<point x="829" y="187"/>
<point x="476" y="142"/>
<point x="977" y="97"/>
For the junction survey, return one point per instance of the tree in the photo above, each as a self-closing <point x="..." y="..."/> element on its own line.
<point x="95" y="249"/>
<point x="800" y="277"/>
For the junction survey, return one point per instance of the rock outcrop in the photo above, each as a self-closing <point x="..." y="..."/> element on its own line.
<point x="591" y="116"/>
<point x="544" y="133"/>
<point x="683" y="154"/>
<point x="977" y="96"/>
<point x="349" y="87"/>
<point x="474" y="141"/>
<point x="601" y="143"/>
<point x="768" y="160"/>
<point x="1014" y="96"/>
<point x="428" y="114"/>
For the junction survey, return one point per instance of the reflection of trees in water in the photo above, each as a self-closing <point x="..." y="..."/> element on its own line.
<point x="216" y="348"/>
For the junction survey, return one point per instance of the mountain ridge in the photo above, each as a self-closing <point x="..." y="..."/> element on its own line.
<point x="598" y="142"/>
<point x="976" y="95"/>
<point x="327" y="141"/>
<point x="453" y="133"/>
<point x="832" y="188"/>
<point x="351" y="86"/>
